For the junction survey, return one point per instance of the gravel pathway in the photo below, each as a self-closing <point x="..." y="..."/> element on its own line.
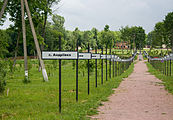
<point x="141" y="96"/>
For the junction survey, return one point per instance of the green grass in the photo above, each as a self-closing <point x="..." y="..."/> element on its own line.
<point x="39" y="100"/>
<point x="167" y="80"/>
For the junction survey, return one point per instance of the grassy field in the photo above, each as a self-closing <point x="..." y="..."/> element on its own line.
<point x="167" y="80"/>
<point x="39" y="100"/>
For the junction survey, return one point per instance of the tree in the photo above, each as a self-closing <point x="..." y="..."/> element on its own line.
<point x="3" y="43"/>
<point x="47" y="10"/>
<point x="88" y="37"/>
<point x="58" y="23"/>
<point x="149" y="40"/>
<point x="3" y="8"/>
<point x="24" y="41"/>
<point x="94" y="32"/>
<point x="36" y="42"/>
<point x="168" y="23"/>
<point x="160" y="36"/>
<point x="107" y="37"/>
<point x="135" y="35"/>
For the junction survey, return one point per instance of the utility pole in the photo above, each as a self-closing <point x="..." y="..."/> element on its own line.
<point x="44" y="73"/>
<point x="24" y="42"/>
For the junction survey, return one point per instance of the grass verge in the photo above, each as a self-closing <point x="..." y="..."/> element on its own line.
<point x="167" y="80"/>
<point x="39" y="100"/>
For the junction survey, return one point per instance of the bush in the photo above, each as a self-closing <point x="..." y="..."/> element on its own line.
<point x="3" y="73"/>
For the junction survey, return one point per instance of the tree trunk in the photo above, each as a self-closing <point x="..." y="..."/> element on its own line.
<point x="45" y="77"/>
<point x="3" y="8"/>
<point x="43" y="35"/>
<point x="44" y="29"/>
<point x="16" y="50"/>
<point x="24" y="41"/>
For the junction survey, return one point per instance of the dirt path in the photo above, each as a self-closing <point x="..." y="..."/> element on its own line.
<point x="141" y="96"/>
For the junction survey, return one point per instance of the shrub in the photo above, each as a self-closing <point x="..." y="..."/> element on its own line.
<point x="3" y="73"/>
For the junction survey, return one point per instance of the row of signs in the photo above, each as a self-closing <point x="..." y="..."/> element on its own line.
<point x="168" y="57"/>
<point x="64" y="55"/>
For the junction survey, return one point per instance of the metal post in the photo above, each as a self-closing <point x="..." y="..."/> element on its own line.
<point x="110" y="65"/>
<point x="118" y="68"/>
<point x="106" y="63"/>
<point x="123" y="67"/>
<point x="113" y="68"/>
<point x="88" y="72"/>
<point x="96" y="67"/>
<point x="165" y="66"/>
<point x="59" y="76"/>
<point x="102" y="69"/>
<point x="77" y="71"/>
<point x="170" y="68"/>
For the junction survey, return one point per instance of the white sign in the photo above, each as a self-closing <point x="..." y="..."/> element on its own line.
<point x="95" y="56"/>
<point x="103" y="56"/>
<point x="113" y="56"/>
<point x="109" y="56"/>
<point x="59" y="55"/>
<point x="85" y="56"/>
<point x="171" y="56"/>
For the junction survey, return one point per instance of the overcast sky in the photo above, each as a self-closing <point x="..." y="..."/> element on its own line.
<point x="86" y="14"/>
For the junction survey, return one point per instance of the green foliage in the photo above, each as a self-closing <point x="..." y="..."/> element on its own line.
<point x="107" y="37"/>
<point x="3" y="73"/>
<point x="162" y="33"/>
<point x="133" y="35"/>
<point x="168" y="22"/>
<point x="10" y="65"/>
<point x="52" y="39"/>
<point x="3" y="43"/>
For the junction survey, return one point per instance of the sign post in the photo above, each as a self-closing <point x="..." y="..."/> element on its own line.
<point x="170" y="68"/>
<point x="167" y="66"/>
<point x="102" y="69"/>
<point x="88" y="72"/>
<point x="60" y="55"/>
<point x="60" y="76"/>
<point x="106" y="63"/>
<point x="119" y="65"/>
<point x="113" y="60"/>
<point x="77" y="71"/>
<point x="110" y="64"/>
<point x="96" y="67"/>
<point x="84" y="56"/>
